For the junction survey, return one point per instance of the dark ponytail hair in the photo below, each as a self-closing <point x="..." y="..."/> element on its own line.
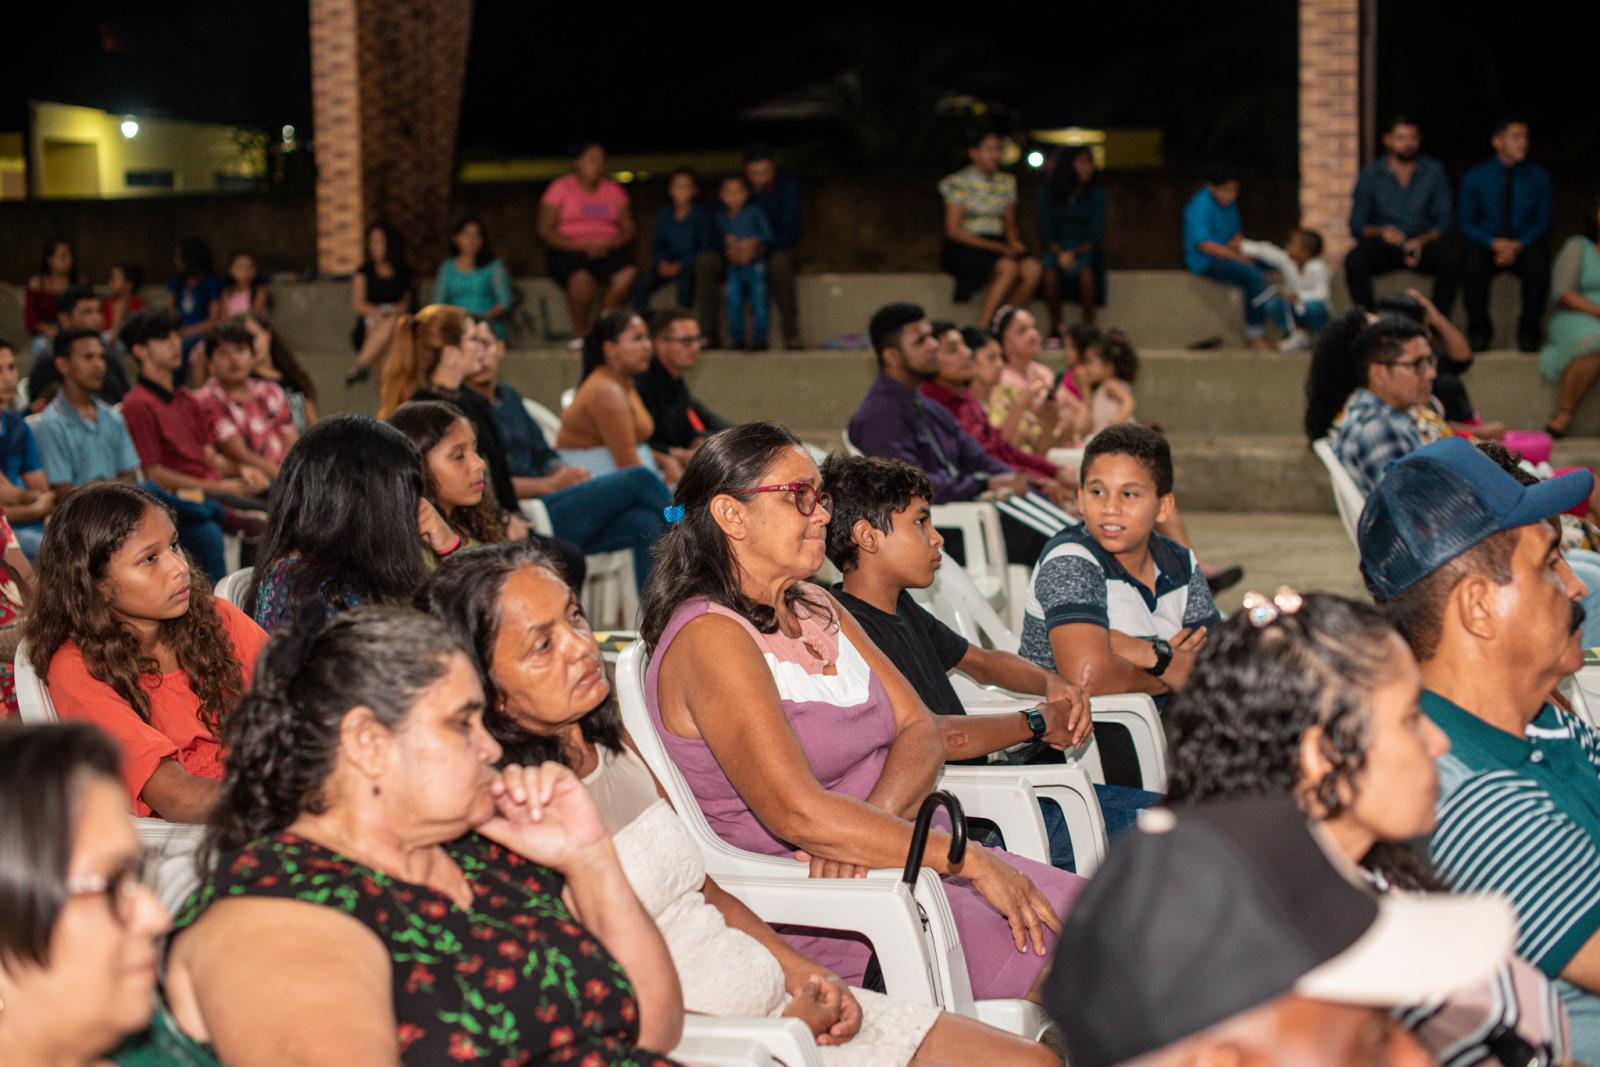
<point x="283" y="739"/>
<point x="464" y="594"/>
<point x="692" y="559"/>
<point x="608" y="327"/>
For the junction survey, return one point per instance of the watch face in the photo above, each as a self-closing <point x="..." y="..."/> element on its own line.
<point x="1036" y="722"/>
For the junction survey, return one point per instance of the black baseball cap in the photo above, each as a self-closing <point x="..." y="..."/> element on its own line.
<point x="1217" y="909"/>
<point x="1441" y="500"/>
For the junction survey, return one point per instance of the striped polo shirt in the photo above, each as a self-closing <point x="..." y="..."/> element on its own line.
<point x="1520" y="816"/>
<point x="1078" y="581"/>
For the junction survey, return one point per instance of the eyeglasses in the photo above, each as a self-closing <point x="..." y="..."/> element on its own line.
<point x="1430" y="361"/>
<point x="685" y="341"/>
<point x="121" y="888"/>
<point x="806" y="496"/>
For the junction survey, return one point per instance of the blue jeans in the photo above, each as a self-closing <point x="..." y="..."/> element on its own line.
<point x="29" y="534"/>
<point x="650" y="281"/>
<point x="747" y="284"/>
<point x="611" y="512"/>
<point x="1119" y="806"/>
<point x="199" y="531"/>
<point x="1312" y="319"/>
<point x="1242" y="276"/>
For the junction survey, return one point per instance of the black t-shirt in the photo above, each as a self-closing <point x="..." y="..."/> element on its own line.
<point x="924" y="649"/>
<point x="391" y="290"/>
<point x="675" y="412"/>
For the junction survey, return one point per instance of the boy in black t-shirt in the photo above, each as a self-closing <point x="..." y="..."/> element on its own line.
<point x="882" y="540"/>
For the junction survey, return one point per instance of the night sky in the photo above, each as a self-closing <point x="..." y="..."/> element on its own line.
<point x="1218" y="77"/>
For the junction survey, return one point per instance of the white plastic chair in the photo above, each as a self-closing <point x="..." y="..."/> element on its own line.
<point x="717" y="1042"/>
<point x="1347" y="495"/>
<point x="957" y="603"/>
<point x="549" y="422"/>
<point x="610" y="596"/>
<point x="172" y="845"/>
<point x="913" y="934"/>
<point x="233" y="586"/>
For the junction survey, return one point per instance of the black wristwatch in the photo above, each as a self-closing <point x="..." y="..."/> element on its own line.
<point x="1163" y="657"/>
<point x="1036" y="722"/>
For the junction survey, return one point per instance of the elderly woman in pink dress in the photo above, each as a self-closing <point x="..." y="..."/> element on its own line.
<point x="796" y="735"/>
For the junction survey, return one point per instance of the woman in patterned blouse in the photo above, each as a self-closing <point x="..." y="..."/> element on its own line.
<point x="457" y="912"/>
<point x="983" y="248"/>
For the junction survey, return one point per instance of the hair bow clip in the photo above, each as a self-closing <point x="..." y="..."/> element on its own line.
<point x="1263" y="612"/>
<point x="673" y="513"/>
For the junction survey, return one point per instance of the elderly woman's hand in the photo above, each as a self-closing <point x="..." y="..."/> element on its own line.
<point x="545" y="814"/>
<point x="1013" y="895"/>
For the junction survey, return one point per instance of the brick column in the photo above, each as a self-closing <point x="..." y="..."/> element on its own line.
<point x="1330" y="118"/>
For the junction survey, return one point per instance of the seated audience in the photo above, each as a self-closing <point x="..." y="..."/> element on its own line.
<point x="1305" y="285"/>
<point x="275" y="363"/>
<point x="126" y="635"/>
<point x="195" y="294"/>
<point x="58" y="269"/>
<point x="123" y="283"/>
<point x="1212" y="248"/>
<point x="16" y="584"/>
<point x="1462" y="557"/>
<point x="1113" y="600"/>
<point x="80" y="942"/>
<point x="472" y="279"/>
<point x="784" y="717"/>
<point x="882" y="541"/>
<point x="607" y="427"/>
<point x="1397" y="368"/>
<point x="598" y="513"/>
<point x="25" y="494"/>
<point x="1024" y="381"/>
<point x="949" y="388"/>
<point x="586" y="227"/>
<point x="728" y="961"/>
<point x="1072" y="228"/>
<point x="682" y="422"/>
<point x="344" y="519"/>
<point x="744" y="231"/>
<point x="1400" y="216"/>
<point x="244" y="291"/>
<point x="1506" y="211"/>
<point x="983" y="246"/>
<point x="362" y="811"/>
<point x="895" y="422"/>
<point x="682" y="232"/>
<point x="78" y="308"/>
<point x="1316" y="698"/>
<point x="1570" y="358"/>
<point x="249" y="417"/>
<point x="1228" y="934"/>
<point x="462" y="514"/>
<point x="380" y="292"/>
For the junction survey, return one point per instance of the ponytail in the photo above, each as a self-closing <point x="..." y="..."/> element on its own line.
<point x="608" y="327"/>
<point x="398" y="382"/>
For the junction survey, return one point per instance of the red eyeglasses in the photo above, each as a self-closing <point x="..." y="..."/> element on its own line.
<point x="806" y="495"/>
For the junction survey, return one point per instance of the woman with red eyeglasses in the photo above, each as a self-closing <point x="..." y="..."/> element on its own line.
<point x="797" y="736"/>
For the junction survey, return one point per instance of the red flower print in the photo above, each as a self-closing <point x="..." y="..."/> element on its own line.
<point x="628" y="1010"/>
<point x="267" y="881"/>
<point x="592" y="1020"/>
<point x="499" y="979"/>
<point x="522" y="1059"/>
<point x="596" y="990"/>
<point x="587" y="947"/>
<point x="370" y="888"/>
<point x="511" y="950"/>
<point x="419" y="978"/>
<point x="545" y="1013"/>
<point x="561" y="1036"/>
<point x="483" y="933"/>
<point x="570" y="929"/>
<point x="433" y="909"/>
<point x="409" y="1034"/>
<point x="461" y="1047"/>
<point x="593" y="1059"/>
<point x="469" y="965"/>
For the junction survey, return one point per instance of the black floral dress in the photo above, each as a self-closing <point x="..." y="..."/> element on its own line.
<point x="511" y="980"/>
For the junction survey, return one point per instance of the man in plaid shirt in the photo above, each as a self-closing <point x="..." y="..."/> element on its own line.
<point x="1376" y="428"/>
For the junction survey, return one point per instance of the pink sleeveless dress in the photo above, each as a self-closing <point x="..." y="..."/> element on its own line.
<point x="845" y="724"/>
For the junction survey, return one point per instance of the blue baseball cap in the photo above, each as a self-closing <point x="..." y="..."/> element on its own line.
<point x="1442" y="499"/>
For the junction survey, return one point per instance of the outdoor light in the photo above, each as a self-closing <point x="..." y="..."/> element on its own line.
<point x="288" y="134"/>
<point x="130" y="128"/>
<point x="1036" y="159"/>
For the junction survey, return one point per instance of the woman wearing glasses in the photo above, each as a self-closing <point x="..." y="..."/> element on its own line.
<point x="795" y="733"/>
<point x="78" y="927"/>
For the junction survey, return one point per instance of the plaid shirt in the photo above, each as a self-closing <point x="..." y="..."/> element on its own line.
<point x="1369" y="435"/>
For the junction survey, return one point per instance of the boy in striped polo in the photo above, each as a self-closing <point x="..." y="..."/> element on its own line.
<point x="1465" y="558"/>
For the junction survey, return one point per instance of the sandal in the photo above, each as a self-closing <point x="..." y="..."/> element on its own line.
<point x="1550" y="427"/>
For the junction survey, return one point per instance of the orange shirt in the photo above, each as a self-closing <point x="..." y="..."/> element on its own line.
<point x="174" y="729"/>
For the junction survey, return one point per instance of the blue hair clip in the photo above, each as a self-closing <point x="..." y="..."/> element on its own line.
<point x="673" y="514"/>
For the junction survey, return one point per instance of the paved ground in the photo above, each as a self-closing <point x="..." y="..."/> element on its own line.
<point x="1308" y="552"/>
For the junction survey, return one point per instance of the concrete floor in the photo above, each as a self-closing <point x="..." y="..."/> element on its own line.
<point x="1308" y="552"/>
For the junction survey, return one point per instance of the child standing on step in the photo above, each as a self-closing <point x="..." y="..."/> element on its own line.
<point x="745" y="233"/>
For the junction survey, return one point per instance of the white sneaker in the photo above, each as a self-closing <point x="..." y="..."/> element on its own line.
<point x="1297" y="341"/>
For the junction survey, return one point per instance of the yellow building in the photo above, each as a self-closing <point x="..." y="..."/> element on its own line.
<point x="84" y="152"/>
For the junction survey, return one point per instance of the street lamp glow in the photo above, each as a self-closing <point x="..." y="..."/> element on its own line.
<point x="287" y="133"/>
<point x="130" y="128"/>
<point x="1036" y="159"/>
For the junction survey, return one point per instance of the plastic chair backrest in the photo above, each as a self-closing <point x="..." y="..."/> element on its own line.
<point x="849" y="446"/>
<point x="1347" y="495"/>
<point x="961" y="606"/>
<point x="549" y="422"/>
<point x="33" y="699"/>
<point x="233" y="587"/>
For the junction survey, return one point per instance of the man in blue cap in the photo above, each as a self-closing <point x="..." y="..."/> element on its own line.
<point x="1468" y="562"/>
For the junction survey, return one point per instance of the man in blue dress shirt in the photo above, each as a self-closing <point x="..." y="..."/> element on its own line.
<point x="1507" y="205"/>
<point x="1400" y="218"/>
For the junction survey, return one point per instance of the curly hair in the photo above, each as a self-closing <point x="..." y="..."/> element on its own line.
<point x="427" y="422"/>
<point x="71" y="603"/>
<point x="283" y="739"/>
<point x="465" y="594"/>
<point x="866" y="487"/>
